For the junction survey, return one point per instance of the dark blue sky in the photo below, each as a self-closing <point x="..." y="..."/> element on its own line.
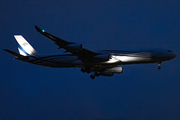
<point x="142" y="92"/>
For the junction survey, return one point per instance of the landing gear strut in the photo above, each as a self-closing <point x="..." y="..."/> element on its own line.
<point x="85" y="70"/>
<point x="159" y="65"/>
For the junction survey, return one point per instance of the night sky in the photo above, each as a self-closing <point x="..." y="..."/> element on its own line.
<point x="142" y="92"/>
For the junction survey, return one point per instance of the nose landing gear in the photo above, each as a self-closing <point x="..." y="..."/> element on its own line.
<point x="159" y="65"/>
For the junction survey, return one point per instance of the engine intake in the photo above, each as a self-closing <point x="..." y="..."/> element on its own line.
<point x="117" y="70"/>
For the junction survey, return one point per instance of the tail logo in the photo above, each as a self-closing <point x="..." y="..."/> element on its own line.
<point x="24" y="47"/>
<point x="24" y="44"/>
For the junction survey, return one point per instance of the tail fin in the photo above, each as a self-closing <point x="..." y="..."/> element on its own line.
<point x="24" y="47"/>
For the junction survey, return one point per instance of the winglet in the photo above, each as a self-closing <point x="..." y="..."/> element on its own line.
<point x="39" y="30"/>
<point x="60" y="42"/>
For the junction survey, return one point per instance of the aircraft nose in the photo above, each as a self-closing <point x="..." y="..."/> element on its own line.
<point x="171" y="55"/>
<point x="175" y="55"/>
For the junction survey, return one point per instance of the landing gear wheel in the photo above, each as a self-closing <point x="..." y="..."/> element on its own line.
<point x="88" y="70"/>
<point x="83" y="70"/>
<point x="92" y="76"/>
<point x="96" y="74"/>
<point x="159" y="65"/>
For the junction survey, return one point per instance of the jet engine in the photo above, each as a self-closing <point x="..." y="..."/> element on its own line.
<point x="106" y="73"/>
<point x="111" y="71"/>
<point x="72" y="47"/>
<point x="101" y="57"/>
<point x="117" y="70"/>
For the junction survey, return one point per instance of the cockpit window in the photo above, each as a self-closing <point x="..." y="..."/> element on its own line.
<point x="169" y="51"/>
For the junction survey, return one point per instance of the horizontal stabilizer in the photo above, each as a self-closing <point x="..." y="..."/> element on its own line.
<point x="17" y="54"/>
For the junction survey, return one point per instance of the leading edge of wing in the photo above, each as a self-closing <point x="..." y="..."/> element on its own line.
<point x="82" y="54"/>
<point x="60" y="42"/>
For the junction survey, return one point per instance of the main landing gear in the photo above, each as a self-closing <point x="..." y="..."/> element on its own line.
<point x="88" y="71"/>
<point x="94" y="75"/>
<point x="159" y="65"/>
<point x="85" y="70"/>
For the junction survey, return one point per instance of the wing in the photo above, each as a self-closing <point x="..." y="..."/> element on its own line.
<point x="76" y="49"/>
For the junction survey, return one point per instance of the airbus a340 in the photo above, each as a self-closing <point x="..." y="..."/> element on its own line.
<point x="99" y="63"/>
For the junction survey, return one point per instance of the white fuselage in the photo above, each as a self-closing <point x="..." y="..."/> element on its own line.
<point x="117" y="57"/>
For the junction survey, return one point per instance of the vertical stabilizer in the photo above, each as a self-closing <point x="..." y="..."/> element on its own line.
<point x="24" y="47"/>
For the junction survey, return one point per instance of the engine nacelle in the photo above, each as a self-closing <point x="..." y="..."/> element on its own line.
<point x="102" y="57"/>
<point x="111" y="71"/>
<point x="72" y="47"/>
<point x="106" y="73"/>
<point x="117" y="70"/>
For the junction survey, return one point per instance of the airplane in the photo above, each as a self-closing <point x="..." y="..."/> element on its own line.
<point x="99" y="63"/>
